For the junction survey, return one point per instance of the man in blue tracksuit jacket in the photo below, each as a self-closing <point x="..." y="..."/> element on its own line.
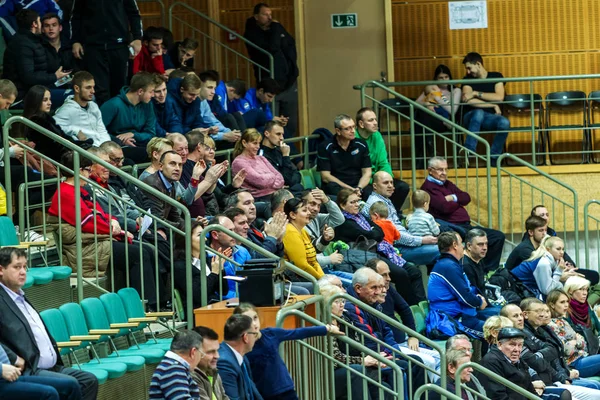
<point x="226" y="93"/>
<point x="449" y="289"/>
<point x="255" y="105"/>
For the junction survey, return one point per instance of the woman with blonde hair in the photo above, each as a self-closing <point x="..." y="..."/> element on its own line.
<point x="545" y="270"/>
<point x="580" y="312"/>
<point x="262" y="179"/>
<point x="155" y="148"/>
<point x="492" y="327"/>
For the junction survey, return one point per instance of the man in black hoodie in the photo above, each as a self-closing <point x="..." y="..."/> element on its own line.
<point x="272" y="37"/>
<point x="100" y="33"/>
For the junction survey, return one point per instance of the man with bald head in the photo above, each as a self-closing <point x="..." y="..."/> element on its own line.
<point x="418" y="250"/>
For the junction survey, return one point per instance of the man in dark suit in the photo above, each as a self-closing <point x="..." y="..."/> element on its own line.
<point x="26" y="339"/>
<point x="233" y="365"/>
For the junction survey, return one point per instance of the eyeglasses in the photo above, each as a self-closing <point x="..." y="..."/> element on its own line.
<point x="116" y="160"/>
<point x="208" y="148"/>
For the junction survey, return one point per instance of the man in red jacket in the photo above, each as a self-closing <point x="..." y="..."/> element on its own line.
<point x="150" y="58"/>
<point x="448" y="207"/>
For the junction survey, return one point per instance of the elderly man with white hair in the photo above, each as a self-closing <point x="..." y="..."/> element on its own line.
<point x="367" y="286"/>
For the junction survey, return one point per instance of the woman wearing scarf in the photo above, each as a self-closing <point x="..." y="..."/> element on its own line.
<point x="405" y="276"/>
<point x="580" y="312"/>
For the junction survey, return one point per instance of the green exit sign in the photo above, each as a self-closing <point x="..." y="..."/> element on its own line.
<point x="344" y="20"/>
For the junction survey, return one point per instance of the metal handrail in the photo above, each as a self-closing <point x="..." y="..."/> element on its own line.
<point x="575" y="206"/>
<point x="430" y="387"/>
<point x="392" y="322"/>
<point x="586" y="216"/>
<point x="413" y="105"/>
<point x="455" y="82"/>
<point x="484" y="371"/>
<point x="78" y="152"/>
<point x="229" y="31"/>
<point x="162" y="9"/>
<point x="293" y="311"/>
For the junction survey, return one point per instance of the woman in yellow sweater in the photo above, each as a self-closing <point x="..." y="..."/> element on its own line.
<point x="297" y="247"/>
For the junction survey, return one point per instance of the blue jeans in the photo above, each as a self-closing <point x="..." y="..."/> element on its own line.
<point x="587" y="366"/>
<point x="420" y="255"/>
<point x="40" y="388"/>
<point x="478" y="120"/>
<point x="587" y="383"/>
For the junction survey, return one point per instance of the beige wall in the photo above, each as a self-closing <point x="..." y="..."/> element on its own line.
<point x="336" y="59"/>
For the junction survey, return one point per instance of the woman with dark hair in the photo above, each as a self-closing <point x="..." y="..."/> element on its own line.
<point x="361" y="232"/>
<point x="101" y="234"/>
<point x="269" y="372"/>
<point x="445" y="101"/>
<point x="36" y="108"/>
<point x="297" y="246"/>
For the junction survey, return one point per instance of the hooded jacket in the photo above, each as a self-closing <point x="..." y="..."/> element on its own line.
<point x="73" y="118"/>
<point x="120" y="116"/>
<point x="26" y="62"/>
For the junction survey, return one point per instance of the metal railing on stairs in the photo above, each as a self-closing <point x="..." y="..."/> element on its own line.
<point x="402" y="132"/>
<point x="522" y="195"/>
<point x="592" y="246"/>
<point x="215" y="53"/>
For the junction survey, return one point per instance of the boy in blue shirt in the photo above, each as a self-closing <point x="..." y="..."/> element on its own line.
<point x="255" y="106"/>
<point x="225" y="94"/>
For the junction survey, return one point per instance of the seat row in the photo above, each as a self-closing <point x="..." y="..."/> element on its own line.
<point x="106" y="337"/>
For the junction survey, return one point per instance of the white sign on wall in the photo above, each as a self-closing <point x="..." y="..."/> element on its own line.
<point x="468" y="14"/>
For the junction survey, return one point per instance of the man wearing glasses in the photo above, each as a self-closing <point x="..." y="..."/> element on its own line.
<point x="345" y="162"/>
<point x="233" y="364"/>
<point x="449" y="207"/>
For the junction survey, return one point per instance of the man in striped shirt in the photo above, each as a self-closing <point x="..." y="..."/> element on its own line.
<point x="172" y="379"/>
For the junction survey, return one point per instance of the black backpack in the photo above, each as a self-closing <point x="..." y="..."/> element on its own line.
<point x="512" y="290"/>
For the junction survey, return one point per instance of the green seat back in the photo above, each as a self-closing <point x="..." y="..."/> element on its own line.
<point x="74" y="319"/>
<point x="307" y="179"/>
<point x="113" y="306"/>
<point x="316" y="176"/>
<point x="8" y="234"/>
<point x="56" y="326"/>
<point x="95" y="316"/>
<point x="424" y="306"/>
<point x="419" y="318"/>
<point x="133" y="304"/>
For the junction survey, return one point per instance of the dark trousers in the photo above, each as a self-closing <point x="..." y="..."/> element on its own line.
<point x="233" y="121"/>
<point x="88" y="384"/>
<point x="289" y="395"/>
<point x="255" y="118"/>
<point x="109" y="68"/>
<point x="40" y="388"/>
<point x="287" y="105"/>
<point x="495" y="241"/>
<point x="408" y="281"/>
<point x="136" y="267"/>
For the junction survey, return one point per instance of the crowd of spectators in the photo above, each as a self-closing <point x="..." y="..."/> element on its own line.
<point x="350" y="234"/>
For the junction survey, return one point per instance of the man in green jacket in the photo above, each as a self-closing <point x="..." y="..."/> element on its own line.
<point x="206" y="374"/>
<point x="367" y="129"/>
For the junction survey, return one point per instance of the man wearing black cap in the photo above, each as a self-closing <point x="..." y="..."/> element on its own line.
<point x="505" y="360"/>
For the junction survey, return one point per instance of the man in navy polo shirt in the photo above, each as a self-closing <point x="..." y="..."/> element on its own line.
<point x="344" y="162"/>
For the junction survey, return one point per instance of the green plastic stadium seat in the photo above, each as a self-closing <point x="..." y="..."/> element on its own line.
<point x="41" y="276"/>
<point x="60" y="273"/>
<point x="134" y="309"/>
<point x="307" y="179"/>
<point x="29" y="281"/>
